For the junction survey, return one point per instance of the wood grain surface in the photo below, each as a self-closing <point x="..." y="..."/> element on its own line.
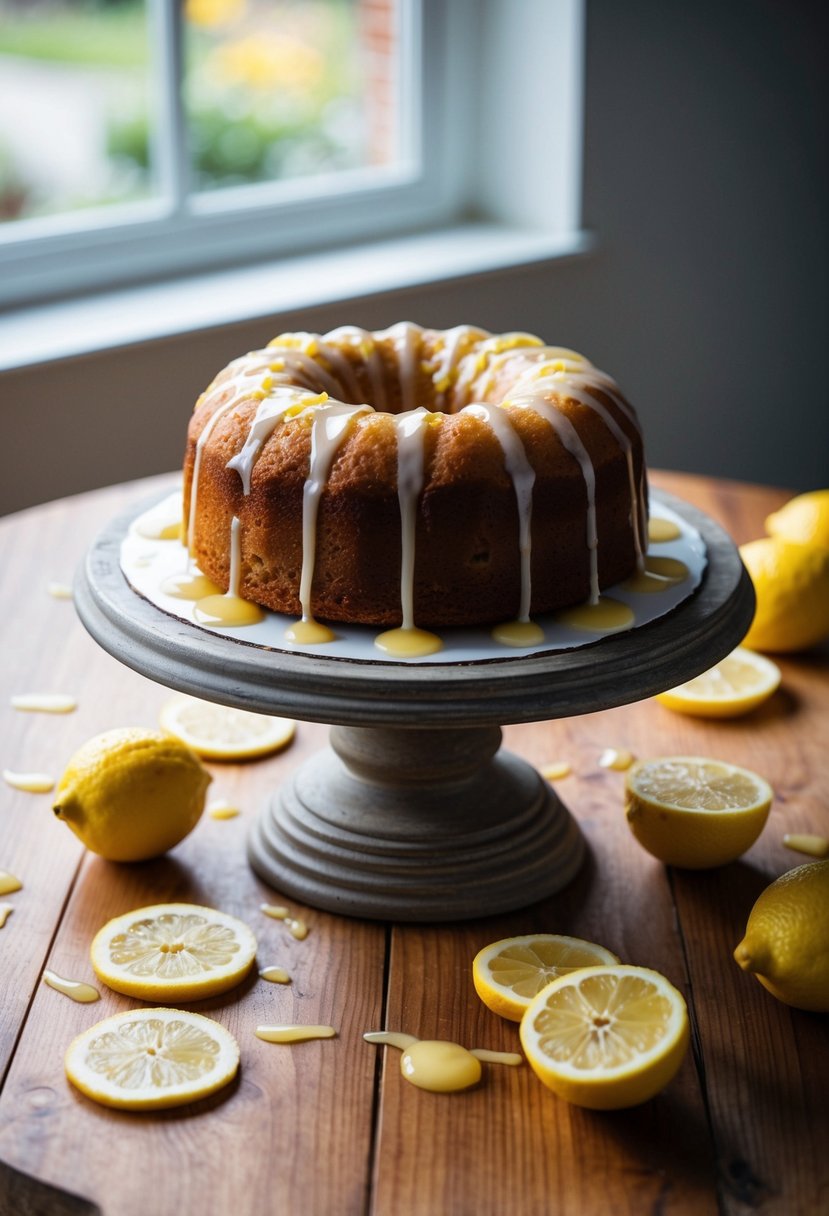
<point x="332" y="1127"/>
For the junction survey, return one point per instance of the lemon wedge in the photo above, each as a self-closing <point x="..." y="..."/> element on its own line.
<point x="217" y="732"/>
<point x="693" y="812"/>
<point x="173" y="952"/>
<point x="736" y="685"/>
<point x="606" y="1037"/>
<point x="146" y="1059"/>
<point x="509" y="973"/>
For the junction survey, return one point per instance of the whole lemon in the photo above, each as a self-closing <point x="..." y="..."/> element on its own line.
<point x="804" y="519"/>
<point x="786" y="944"/>
<point x="791" y="582"/>
<point x="130" y="794"/>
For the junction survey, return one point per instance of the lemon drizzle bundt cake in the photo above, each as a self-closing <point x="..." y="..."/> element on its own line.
<point x="414" y="477"/>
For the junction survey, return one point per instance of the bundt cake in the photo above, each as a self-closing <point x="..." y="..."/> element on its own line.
<point x="414" y="477"/>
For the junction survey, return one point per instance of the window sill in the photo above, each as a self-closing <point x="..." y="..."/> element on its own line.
<point x="145" y="313"/>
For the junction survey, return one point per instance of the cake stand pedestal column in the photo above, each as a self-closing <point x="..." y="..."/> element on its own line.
<point x="416" y="823"/>
<point x="414" y="813"/>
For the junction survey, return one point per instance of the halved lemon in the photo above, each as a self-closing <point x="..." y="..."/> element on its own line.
<point x="173" y="952"/>
<point x="216" y="732"/>
<point x="606" y="1037"/>
<point x="509" y="973"/>
<point x="146" y="1059"/>
<point x="694" y="812"/>
<point x="736" y="685"/>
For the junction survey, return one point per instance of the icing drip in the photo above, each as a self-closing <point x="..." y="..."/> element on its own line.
<point x="523" y="478"/>
<point x="368" y="349"/>
<point x="455" y="342"/>
<point x="331" y="422"/>
<point x="207" y="430"/>
<point x="410" y="436"/>
<point x="406" y="338"/>
<point x="344" y="371"/>
<point x="270" y="413"/>
<point x="571" y="442"/>
<point x="565" y="373"/>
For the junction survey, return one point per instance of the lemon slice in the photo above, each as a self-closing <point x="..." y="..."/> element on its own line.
<point x="150" y="1058"/>
<point x="216" y="732"/>
<point x="173" y="952"/>
<point x="735" y="686"/>
<point x="693" y="812"/>
<point x="606" y="1037"/>
<point x="508" y="974"/>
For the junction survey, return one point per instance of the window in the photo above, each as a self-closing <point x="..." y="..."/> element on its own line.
<point x="179" y="135"/>
<point x="141" y="139"/>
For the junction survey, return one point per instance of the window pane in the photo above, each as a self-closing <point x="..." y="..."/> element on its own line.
<point x="286" y="89"/>
<point x="74" y="88"/>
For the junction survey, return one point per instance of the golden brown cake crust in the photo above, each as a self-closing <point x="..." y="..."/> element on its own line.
<point x="467" y="562"/>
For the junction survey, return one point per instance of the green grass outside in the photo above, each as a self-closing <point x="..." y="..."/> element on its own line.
<point x="97" y="37"/>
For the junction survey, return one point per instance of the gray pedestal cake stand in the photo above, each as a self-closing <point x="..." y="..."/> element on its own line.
<point x="414" y="813"/>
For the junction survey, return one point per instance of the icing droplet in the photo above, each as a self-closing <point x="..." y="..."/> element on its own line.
<point x="190" y="585"/>
<point x="44" y="702"/>
<point x="662" y="530"/>
<point x="30" y="783"/>
<point x="616" y="758"/>
<point x="309" y="633"/>
<point x="607" y="616"/>
<point x="222" y="810"/>
<point x="408" y="643"/>
<point x="555" y="772"/>
<point x="227" y="610"/>
<point x="59" y="591"/>
<point x="275" y="975"/>
<point x="518" y="633"/>
<point x="9" y="882"/>
<point x="76" y="990"/>
<point x="293" y="1033"/>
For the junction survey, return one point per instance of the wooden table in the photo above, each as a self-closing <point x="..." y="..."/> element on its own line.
<point x="331" y="1126"/>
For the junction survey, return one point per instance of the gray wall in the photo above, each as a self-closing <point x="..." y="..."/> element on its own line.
<point x="706" y="296"/>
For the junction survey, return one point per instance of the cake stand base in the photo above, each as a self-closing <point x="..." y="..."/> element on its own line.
<point x="416" y="824"/>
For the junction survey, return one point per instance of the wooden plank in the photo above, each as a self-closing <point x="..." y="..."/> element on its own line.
<point x="294" y="1132"/>
<point x="763" y="1067"/>
<point x="512" y="1145"/>
<point x="44" y="648"/>
<point x="766" y="1066"/>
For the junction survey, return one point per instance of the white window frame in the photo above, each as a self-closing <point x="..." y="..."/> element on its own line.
<point x="491" y="167"/>
<point x="179" y="231"/>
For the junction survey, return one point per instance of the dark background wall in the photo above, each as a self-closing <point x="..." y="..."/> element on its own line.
<point x="705" y="184"/>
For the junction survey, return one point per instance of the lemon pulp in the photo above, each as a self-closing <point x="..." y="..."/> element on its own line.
<point x="694" y="812"/>
<point x="218" y="732"/>
<point x="151" y="1058"/>
<point x="606" y="1037"/>
<point x="734" y="686"/>
<point x="507" y="974"/>
<point x="173" y="951"/>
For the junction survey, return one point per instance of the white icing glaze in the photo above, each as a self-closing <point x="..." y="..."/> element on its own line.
<point x="410" y="452"/>
<point x="235" y="575"/>
<point x="523" y="479"/>
<point x="571" y="442"/>
<point x="330" y="425"/>
<point x="295" y="366"/>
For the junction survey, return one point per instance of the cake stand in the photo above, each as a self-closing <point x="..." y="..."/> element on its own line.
<point x="415" y="812"/>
